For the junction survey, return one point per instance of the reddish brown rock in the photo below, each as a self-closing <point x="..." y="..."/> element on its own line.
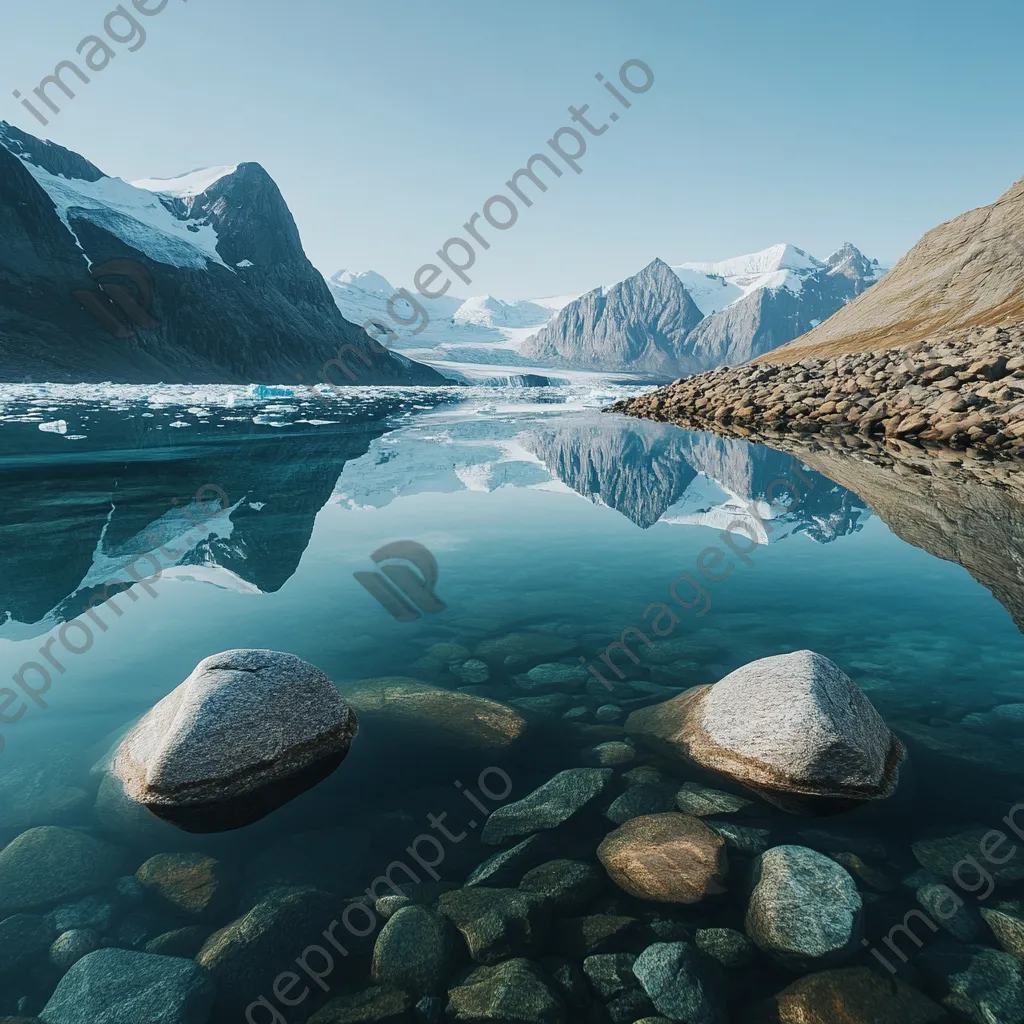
<point x="850" y="995"/>
<point x="669" y="858"/>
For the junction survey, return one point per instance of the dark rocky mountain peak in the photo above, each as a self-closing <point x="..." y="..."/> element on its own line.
<point x="47" y="155"/>
<point x="230" y="295"/>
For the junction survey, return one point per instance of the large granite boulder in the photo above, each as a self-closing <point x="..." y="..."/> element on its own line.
<point x="48" y="865"/>
<point x="121" y="986"/>
<point x="244" y="734"/>
<point x="793" y="728"/>
<point x="548" y="806"/>
<point x="449" y="717"/>
<point x="805" y="910"/>
<point x="668" y="858"/>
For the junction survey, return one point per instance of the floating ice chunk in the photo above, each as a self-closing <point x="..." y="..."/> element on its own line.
<point x="54" y="427"/>
<point x="269" y="391"/>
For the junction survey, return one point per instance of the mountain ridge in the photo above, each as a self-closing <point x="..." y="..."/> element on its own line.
<point x="966" y="272"/>
<point x="748" y="305"/>
<point x="235" y="300"/>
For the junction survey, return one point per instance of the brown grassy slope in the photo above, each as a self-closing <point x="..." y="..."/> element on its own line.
<point x="967" y="272"/>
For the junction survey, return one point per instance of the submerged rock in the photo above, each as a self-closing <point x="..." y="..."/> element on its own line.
<point x="942" y="855"/>
<point x="546" y="705"/>
<point x="702" y="801"/>
<point x="507" y="867"/>
<point x="548" y="806"/>
<point x="611" y="974"/>
<point x="644" y="798"/>
<point x="452" y="718"/>
<point x="579" y="937"/>
<point x="70" y="947"/>
<point x="732" y="949"/>
<point x="794" y="728"/>
<point x="121" y="986"/>
<point x="193" y="883"/>
<point x="48" y="865"/>
<point x="497" y="923"/>
<point x="860" y="995"/>
<point x="805" y="909"/>
<point x="94" y="912"/>
<point x="416" y="950"/>
<point x="245" y="733"/>
<point x="553" y="676"/>
<point x="570" y="885"/>
<point x="515" y="990"/>
<point x="742" y="838"/>
<point x="243" y="954"/>
<point x="517" y="651"/>
<point x="38" y="795"/>
<point x="22" y="938"/>
<point x="978" y="983"/>
<point x="611" y="754"/>
<point x="1008" y="929"/>
<point x="669" y="858"/>
<point x="184" y="942"/>
<point x="472" y="671"/>
<point x="377" y="1005"/>
<point x="679" y="984"/>
<point x="949" y="911"/>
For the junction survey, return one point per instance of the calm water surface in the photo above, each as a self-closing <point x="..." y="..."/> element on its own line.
<point x="546" y="518"/>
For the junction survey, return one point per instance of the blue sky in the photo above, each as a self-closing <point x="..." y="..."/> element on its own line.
<point x="386" y="124"/>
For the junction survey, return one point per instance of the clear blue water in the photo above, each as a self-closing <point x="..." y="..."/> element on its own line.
<point x="544" y="515"/>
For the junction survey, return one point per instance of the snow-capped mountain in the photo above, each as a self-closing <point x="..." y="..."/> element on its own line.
<point x="481" y="329"/>
<point x="714" y="286"/>
<point x="746" y="306"/>
<point x="207" y="269"/>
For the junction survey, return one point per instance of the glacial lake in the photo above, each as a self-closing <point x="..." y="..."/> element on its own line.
<point x="547" y="518"/>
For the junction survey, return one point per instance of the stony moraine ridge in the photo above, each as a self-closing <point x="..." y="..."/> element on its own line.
<point x="962" y="390"/>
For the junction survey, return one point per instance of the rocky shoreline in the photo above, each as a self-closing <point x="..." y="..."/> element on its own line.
<point x="962" y="391"/>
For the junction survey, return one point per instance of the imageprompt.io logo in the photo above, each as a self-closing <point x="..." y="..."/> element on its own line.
<point x="404" y="593"/>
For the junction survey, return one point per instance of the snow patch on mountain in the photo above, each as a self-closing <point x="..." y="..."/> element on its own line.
<point x="716" y="285"/>
<point x="188" y="185"/>
<point x="136" y="216"/>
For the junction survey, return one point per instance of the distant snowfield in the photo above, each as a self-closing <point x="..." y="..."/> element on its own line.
<point x="477" y="334"/>
<point x="184" y="186"/>
<point x="716" y="285"/>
